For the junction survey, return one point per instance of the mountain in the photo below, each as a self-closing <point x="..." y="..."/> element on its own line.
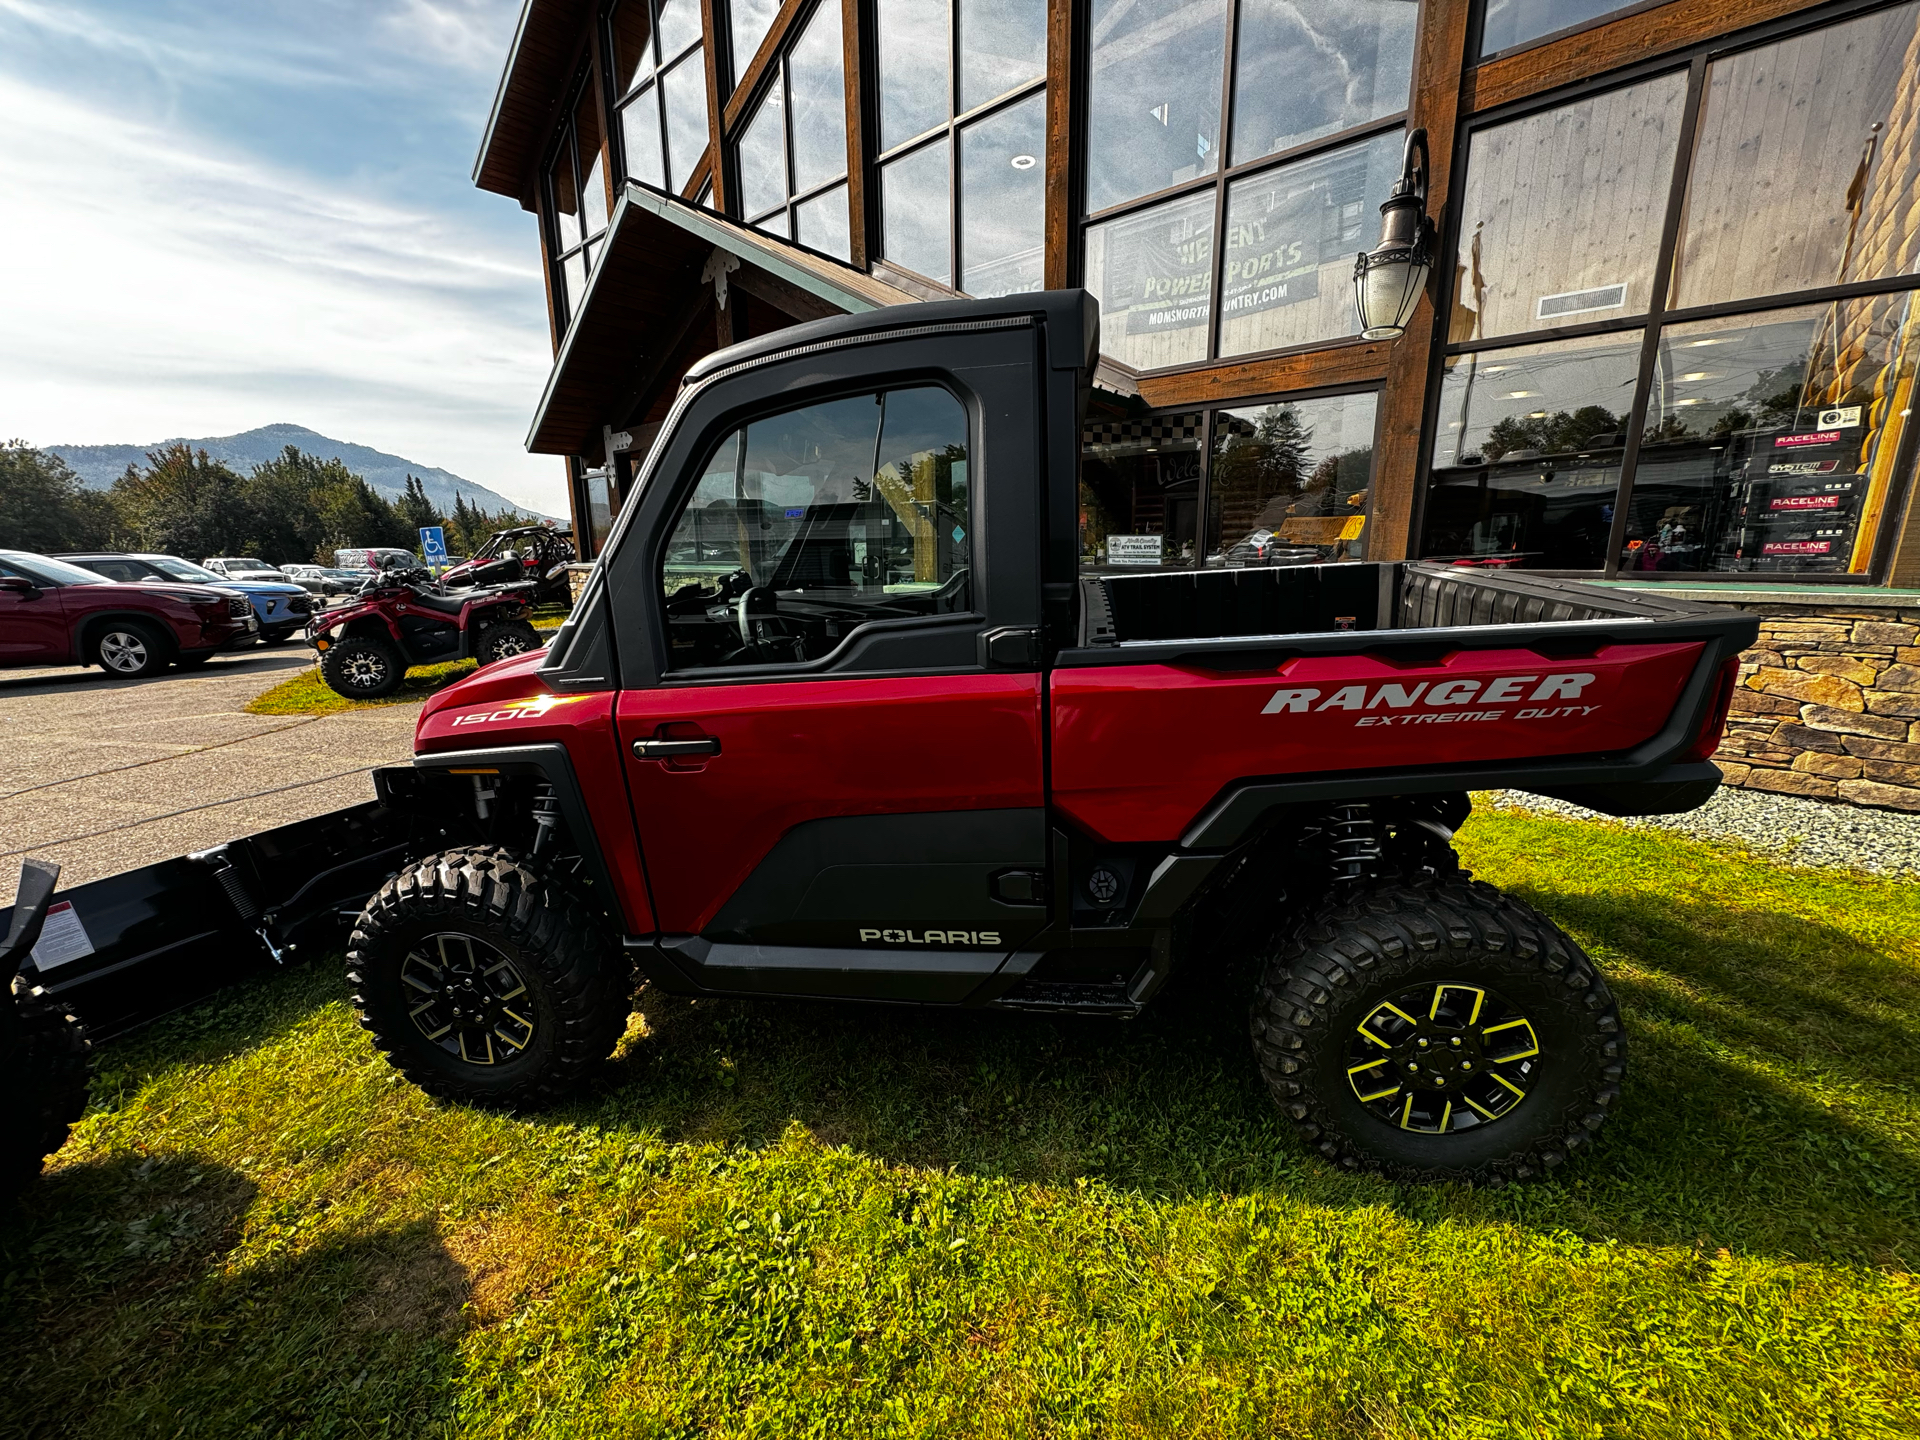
<point x="100" y="465"/>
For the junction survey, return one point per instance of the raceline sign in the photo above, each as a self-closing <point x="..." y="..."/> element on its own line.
<point x="1441" y="702"/>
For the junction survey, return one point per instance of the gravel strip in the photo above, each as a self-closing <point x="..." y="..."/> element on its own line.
<point x="1792" y="828"/>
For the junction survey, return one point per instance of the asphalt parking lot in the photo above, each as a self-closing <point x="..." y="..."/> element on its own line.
<point x="102" y="775"/>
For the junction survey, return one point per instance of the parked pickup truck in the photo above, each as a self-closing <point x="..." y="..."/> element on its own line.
<point x="838" y="716"/>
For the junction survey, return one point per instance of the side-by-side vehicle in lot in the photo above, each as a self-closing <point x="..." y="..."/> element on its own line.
<point x="53" y="612"/>
<point x="400" y="619"/>
<point x="838" y="716"/>
<point x="536" y="553"/>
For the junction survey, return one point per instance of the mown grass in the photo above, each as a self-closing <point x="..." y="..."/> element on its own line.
<point x="307" y="694"/>
<point x="781" y="1220"/>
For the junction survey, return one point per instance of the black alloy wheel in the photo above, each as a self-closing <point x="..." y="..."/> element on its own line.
<point x="1431" y="1028"/>
<point x="362" y="667"/>
<point x="484" y="979"/>
<point x="465" y="991"/>
<point x="505" y="640"/>
<point x="130" y="649"/>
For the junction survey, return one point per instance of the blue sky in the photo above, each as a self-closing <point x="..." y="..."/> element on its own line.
<point x="215" y="214"/>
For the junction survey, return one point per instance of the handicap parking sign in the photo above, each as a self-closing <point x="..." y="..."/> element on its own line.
<point x="433" y="544"/>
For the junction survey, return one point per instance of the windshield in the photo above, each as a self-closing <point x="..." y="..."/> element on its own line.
<point x="184" y="570"/>
<point x="248" y="564"/>
<point x="57" y="572"/>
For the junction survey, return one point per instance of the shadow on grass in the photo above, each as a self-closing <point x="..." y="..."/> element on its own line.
<point x="127" y="1316"/>
<point x="1732" y="1132"/>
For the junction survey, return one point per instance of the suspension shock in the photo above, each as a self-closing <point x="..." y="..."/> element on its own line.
<point x="546" y="819"/>
<point x="1353" y="843"/>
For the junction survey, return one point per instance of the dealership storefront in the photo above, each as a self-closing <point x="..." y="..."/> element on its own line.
<point x="1668" y="338"/>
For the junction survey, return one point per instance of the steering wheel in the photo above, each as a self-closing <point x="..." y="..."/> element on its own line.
<point x="757" y="602"/>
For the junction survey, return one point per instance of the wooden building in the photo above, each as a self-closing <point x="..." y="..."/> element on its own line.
<point x="1668" y="340"/>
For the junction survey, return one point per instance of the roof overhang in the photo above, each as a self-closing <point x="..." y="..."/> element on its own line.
<point x="547" y="44"/>
<point x="664" y="261"/>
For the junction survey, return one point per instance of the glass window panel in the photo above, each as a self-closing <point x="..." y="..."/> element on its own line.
<point x="1154" y="103"/>
<point x="1290" y="482"/>
<point x="1526" y="461"/>
<point x="1140" y="493"/>
<point x="1806" y="170"/>
<point x="632" y="31"/>
<point x="685" y="90"/>
<point x="822" y="224"/>
<point x="1562" y="212"/>
<point x="1771" y="439"/>
<point x="799" y="503"/>
<point x="1292" y="234"/>
<point x="1152" y="274"/>
<point x="916" y="212"/>
<point x="640" y="125"/>
<point x="593" y="184"/>
<point x="566" y="195"/>
<point x="818" y="102"/>
<point x="1306" y="71"/>
<point x="679" y="26"/>
<point x="775" y="224"/>
<point x="1003" y="45"/>
<point x="763" y="155"/>
<point x="573" y="288"/>
<point x="913" y="59"/>
<point x="1515" y="22"/>
<point x="749" y="21"/>
<point x="1002" y="200"/>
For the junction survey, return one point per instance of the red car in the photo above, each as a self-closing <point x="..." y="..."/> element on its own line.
<point x="53" y="613"/>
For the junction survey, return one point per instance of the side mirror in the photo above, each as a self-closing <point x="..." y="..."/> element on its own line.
<point x="18" y="585"/>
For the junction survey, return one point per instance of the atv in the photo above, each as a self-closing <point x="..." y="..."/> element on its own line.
<point x="527" y="552"/>
<point x="44" y="1064"/>
<point x="399" y="620"/>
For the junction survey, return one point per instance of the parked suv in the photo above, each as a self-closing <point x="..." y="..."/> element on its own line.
<point x="56" y="613"/>
<point x="281" y="605"/>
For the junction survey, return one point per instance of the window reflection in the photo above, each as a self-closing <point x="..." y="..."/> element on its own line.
<point x="1562" y="211"/>
<point x="1771" y="439"/>
<point x="1140" y="493"/>
<point x="1301" y="71"/>
<point x="1003" y="45"/>
<point x="1806" y="169"/>
<point x="817" y="101"/>
<point x="685" y="90"/>
<point x="915" y="213"/>
<point x="1292" y="233"/>
<point x="1515" y="22"/>
<point x="822" y="224"/>
<point x="659" y="70"/>
<point x="748" y="23"/>
<point x="1290" y="482"/>
<point x="913" y="45"/>
<point x="640" y="128"/>
<point x="1002" y="194"/>
<point x="763" y="155"/>
<point x="1154" y="95"/>
<point x="1526" y="462"/>
<point x="1152" y="274"/>
<point x="631" y="29"/>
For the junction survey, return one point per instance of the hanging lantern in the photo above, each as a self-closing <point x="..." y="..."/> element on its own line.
<point x="1387" y="283"/>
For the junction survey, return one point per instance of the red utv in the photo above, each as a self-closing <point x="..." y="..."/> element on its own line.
<point x="398" y="620"/>
<point x="527" y="552"/>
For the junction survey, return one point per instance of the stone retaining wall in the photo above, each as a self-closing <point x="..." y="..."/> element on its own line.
<point x="1829" y="706"/>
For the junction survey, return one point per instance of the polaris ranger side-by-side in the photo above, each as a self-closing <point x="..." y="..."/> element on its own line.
<point x="839" y="715"/>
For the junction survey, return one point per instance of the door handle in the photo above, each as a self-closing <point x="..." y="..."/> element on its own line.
<point x="674" y="749"/>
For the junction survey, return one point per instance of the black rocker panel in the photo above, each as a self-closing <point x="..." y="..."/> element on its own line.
<point x="892" y="882"/>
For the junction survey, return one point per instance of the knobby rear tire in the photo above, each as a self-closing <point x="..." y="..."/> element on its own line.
<point x="1356" y="952"/>
<point x="579" y="982"/>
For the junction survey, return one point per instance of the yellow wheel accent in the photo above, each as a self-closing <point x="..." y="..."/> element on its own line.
<point x="1443" y="1071"/>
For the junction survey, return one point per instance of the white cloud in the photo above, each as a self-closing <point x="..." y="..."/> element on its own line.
<point x="154" y="283"/>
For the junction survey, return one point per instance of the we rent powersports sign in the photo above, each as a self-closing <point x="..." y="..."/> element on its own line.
<point x="1159" y="269"/>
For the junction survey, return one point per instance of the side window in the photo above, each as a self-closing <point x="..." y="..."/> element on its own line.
<point x="118" y="570"/>
<point x="808" y="524"/>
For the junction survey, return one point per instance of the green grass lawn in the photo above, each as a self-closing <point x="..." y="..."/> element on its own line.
<point x="307" y="694"/>
<point x="787" y="1220"/>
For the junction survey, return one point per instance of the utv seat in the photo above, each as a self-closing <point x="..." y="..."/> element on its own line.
<point x="445" y="604"/>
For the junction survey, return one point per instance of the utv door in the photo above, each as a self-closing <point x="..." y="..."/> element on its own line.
<point x="831" y="703"/>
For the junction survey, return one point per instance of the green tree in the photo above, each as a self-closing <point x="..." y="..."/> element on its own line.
<point x="183" y="503"/>
<point x="415" y="508"/>
<point x="45" y="507"/>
